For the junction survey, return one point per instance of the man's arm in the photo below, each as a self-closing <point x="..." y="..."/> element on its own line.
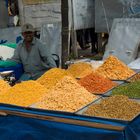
<point x="46" y="56"/>
<point x="16" y="56"/>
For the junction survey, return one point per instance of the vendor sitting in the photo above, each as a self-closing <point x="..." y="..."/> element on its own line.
<point x="34" y="56"/>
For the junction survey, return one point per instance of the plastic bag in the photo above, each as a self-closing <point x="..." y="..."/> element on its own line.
<point x="7" y="63"/>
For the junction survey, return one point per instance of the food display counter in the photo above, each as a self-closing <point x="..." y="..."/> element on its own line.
<point x="57" y="106"/>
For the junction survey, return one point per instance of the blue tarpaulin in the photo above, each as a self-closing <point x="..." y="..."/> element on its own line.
<point x="34" y="124"/>
<point x="132" y="131"/>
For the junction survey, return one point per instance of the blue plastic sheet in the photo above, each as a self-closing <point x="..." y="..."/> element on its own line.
<point x="27" y="128"/>
<point x="19" y="128"/>
<point x="16" y="127"/>
<point x="132" y="131"/>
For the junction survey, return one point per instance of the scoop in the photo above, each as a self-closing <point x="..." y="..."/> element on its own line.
<point x="6" y="73"/>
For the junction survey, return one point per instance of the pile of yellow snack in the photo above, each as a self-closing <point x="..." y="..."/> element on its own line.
<point x="80" y="70"/>
<point x="114" y="69"/>
<point x="23" y="94"/>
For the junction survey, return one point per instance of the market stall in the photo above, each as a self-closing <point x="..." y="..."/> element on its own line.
<point x="64" y="104"/>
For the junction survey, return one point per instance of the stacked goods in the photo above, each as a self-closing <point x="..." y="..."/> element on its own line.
<point x="114" y="69"/>
<point x="67" y="95"/>
<point x="115" y="107"/>
<point x="95" y="83"/>
<point x="135" y="78"/>
<point x="23" y="94"/>
<point x="81" y="69"/>
<point x="4" y="86"/>
<point x="51" y="77"/>
<point x="132" y="90"/>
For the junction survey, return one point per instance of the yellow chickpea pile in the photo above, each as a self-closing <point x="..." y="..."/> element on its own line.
<point x="23" y="94"/>
<point x="67" y="95"/>
<point x="51" y="77"/>
<point x="80" y="70"/>
<point x="114" y="69"/>
<point x="4" y="86"/>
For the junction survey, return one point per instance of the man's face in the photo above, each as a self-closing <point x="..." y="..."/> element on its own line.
<point x="28" y="36"/>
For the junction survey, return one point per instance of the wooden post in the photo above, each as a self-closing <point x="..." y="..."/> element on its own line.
<point x="73" y="34"/>
<point x="3" y="14"/>
<point x="100" y="42"/>
<point x="65" y="31"/>
<point x="74" y="44"/>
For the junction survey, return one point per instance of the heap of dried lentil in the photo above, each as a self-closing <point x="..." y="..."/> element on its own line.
<point x="114" y="69"/>
<point x="23" y="94"/>
<point x="4" y="86"/>
<point x="132" y="90"/>
<point x="95" y="83"/>
<point x="81" y="69"/>
<point x="51" y="77"/>
<point x="115" y="107"/>
<point x="135" y="78"/>
<point x="67" y="95"/>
